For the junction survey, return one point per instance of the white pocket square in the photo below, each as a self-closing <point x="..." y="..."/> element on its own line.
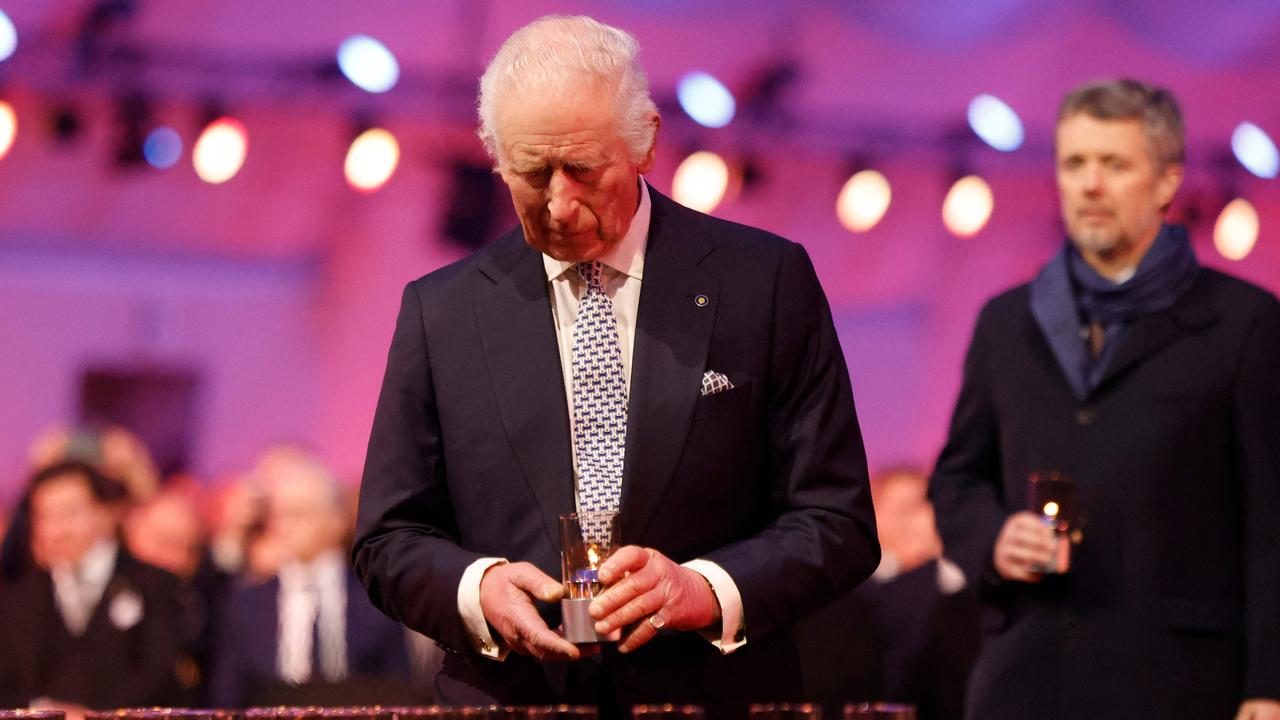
<point x="714" y="382"/>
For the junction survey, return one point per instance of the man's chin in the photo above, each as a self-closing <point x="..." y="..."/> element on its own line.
<point x="1092" y="241"/>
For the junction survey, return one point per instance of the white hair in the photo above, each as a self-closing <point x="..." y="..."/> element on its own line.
<point x="556" y="54"/>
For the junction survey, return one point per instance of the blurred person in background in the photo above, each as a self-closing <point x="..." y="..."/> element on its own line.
<point x="91" y="627"/>
<point x="924" y="614"/>
<point x="114" y="451"/>
<point x="235" y="518"/>
<point x="168" y="532"/>
<point x="1154" y="383"/>
<point x="908" y="635"/>
<point x="307" y="635"/>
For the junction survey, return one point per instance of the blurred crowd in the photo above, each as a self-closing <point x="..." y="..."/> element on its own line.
<point x="122" y="588"/>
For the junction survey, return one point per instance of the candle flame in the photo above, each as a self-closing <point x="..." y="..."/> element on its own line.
<point x="593" y="556"/>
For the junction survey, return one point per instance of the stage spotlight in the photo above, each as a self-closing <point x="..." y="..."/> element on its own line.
<point x="863" y="201"/>
<point x="220" y="151"/>
<point x="968" y="206"/>
<point x="8" y="128"/>
<point x="705" y="99"/>
<point x="996" y="123"/>
<point x="371" y="160"/>
<point x="368" y="64"/>
<point x="1236" y="231"/>
<point x="701" y="181"/>
<point x="8" y="37"/>
<point x="163" y="148"/>
<point x="1255" y="150"/>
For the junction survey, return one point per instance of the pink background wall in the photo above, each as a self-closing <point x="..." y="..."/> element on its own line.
<point x="280" y="287"/>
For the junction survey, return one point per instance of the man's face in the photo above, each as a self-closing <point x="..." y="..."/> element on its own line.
<point x="303" y="518"/>
<point x="571" y="179"/>
<point x="1113" y="194"/>
<point x="66" y="520"/>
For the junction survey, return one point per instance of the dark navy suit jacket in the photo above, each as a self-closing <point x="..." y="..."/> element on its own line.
<point x="470" y="455"/>
<point x="245" y="657"/>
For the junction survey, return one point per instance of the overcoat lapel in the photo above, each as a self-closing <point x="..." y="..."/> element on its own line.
<point x="518" y="335"/>
<point x="673" y="333"/>
<point x="1150" y="334"/>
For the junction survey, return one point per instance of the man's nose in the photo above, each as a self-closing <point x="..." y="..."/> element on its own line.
<point x="562" y="202"/>
<point x="1092" y="179"/>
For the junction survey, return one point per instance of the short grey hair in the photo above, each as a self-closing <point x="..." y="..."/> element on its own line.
<point x="1127" y="99"/>
<point x="557" y="53"/>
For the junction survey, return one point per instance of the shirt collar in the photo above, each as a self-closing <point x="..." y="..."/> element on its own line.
<point x="324" y="569"/>
<point x="627" y="257"/>
<point x="98" y="563"/>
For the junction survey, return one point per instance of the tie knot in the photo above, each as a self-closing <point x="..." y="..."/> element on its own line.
<point x="591" y="272"/>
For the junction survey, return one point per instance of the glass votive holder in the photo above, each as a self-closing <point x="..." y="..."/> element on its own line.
<point x="879" y="711"/>
<point x="563" y="712"/>
<point x="285" y="712"/>
<point x="359" y="712"/>
<point x="34" y="714"/>
<point x="159" y="713"/>
<point x="785" y="711"/>
<point x="667" y="711"/>
<point x="445" y="712"/>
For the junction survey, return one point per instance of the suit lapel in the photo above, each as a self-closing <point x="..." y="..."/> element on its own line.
<point x="519" y="340"/>
<point x="673" y="334"/>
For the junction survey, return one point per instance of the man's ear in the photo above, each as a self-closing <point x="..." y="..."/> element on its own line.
<point x="647" y="162"/>
<point x="1168" y="183"/>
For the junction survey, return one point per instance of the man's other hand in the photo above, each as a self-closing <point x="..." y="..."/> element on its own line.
<point x="507" y="593"/>
<point x="1025" y="543"/>
<point x="1259" y="710"/>
<point x="645" y="585"/>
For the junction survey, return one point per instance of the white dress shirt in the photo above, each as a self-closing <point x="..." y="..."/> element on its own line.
<point x="78" y="586"/>
<point x="622" y="277"/>
<point x="312" y="605"/>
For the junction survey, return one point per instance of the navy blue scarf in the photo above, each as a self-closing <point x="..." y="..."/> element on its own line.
<point x="1069" y="294"/>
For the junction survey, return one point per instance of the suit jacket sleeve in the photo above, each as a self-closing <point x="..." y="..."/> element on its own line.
<point x="822" y="539"/>
<point x="406" y="550"/>
<point x="966" y="485"/>
<point x="1257" y="419"/>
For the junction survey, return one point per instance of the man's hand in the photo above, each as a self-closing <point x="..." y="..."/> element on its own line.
<point x="1025" y="542"/>
<point x="647" y="585"/>
<point x="1259" y="710"/>
<point x="506" y="597"/>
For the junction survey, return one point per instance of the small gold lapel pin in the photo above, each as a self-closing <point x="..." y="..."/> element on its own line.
<point x="701" y="300"/>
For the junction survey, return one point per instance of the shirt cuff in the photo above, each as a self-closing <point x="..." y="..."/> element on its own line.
<point x="732" y="633"/>
<point x="473" y="615"/>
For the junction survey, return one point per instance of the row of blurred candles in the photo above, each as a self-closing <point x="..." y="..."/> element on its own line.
<point x="759" y="711"/>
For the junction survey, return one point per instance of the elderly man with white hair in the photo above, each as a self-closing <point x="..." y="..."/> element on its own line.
<point x="616" y="352"/>
<point x="307" y="635"/>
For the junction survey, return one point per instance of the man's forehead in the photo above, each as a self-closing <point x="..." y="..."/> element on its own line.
<point x="1082" y="133"/>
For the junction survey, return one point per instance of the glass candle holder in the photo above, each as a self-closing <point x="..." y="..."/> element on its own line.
<point x="586" y="541"/>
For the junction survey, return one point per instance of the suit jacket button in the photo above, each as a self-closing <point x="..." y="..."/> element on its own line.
<point x="1086" y="416"/>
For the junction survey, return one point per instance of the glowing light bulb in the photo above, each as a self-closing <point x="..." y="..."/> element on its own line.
<point x="371" y="160"/>
<point x="8" y="128"/>
<point x="863" y="201"/>
<point x="1236" y="231"/>
<point x="220" y="152"/>
<point x="968" y="206"/>
<point x="701" y="181"/>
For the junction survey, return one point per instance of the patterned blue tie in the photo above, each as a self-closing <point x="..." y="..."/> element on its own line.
<point x="599" y="402"/>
